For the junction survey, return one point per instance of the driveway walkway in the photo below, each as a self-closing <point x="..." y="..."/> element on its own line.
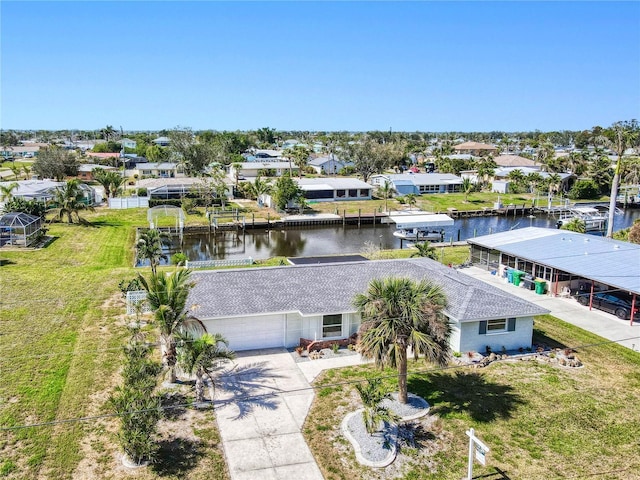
<point x="263" y="400"/>
<point x="569" y="310"/>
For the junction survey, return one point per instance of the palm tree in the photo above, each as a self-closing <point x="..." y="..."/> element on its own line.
<point x="6" y="191"/>
<point x="69" y="200"/>
<point x="411" y="199"/>
<point x="149" y="247"/>
<point x="425" y="249"/>
<point x="200" y="356"/>
<point x="553" y="182"/>
<point x="399" y="313"/>
<point x="517" y="178"/>
<point x="467" y="187"/>
<point x="374" y="413"/>
<point x="108" y="132"/>
<point x="167" y="297"/>
<point x="27" y="170"/>
<point x="575" y="225"/>
<point x="386" y="191"/>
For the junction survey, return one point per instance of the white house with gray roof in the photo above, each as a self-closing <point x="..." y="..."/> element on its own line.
<point x="279" y="306"/>
<point x="419" y="183"/>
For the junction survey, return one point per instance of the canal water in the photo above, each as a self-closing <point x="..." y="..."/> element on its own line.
<point x="336" y="239"/>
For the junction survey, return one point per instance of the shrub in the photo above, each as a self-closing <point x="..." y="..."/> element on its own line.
<point x="142" y="192"/>
<point x="132" y="285"/>
<point x="584" y="189"/>
<point x="179" y="259"/>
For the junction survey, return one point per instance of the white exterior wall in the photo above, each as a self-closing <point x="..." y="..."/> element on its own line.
<point x="469" y="339"/>
<point x="454" y="338"/>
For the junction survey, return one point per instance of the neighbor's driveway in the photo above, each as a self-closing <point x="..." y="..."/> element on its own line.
<point x="262" y="401"/>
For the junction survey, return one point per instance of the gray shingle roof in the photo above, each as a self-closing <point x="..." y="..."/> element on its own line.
<point x="324" y="289"/>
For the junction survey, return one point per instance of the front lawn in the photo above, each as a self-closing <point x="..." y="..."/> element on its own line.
<point x="539" y="420"/>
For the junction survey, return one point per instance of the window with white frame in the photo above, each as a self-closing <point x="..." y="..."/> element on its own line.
<point x="497" y="326"/>
<point x="332" y="325"/>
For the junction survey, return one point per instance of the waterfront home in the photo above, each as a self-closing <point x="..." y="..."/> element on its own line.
<point x="246" y="170"/>
<point x="328" y="165"/>
<point x="475" y="148"/>
<point x="290" y="305"/>
<point x="419" y="183"/>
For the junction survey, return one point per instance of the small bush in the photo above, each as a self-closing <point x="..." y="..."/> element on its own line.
<point x="179" y="259"/>
<point x="142" y="192"/>
<point x="584" y="189"/>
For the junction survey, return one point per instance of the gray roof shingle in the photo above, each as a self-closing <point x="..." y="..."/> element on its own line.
<point x="330" y="288"/>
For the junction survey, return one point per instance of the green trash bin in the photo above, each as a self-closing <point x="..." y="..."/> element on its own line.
<point x="517" y="276"/>
<point x="541" y="287"/>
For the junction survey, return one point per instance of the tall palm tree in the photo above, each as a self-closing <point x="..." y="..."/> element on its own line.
<point x="167" y="298"/>
<point x="6" y="191"/>
<point x="399" y="313"/>
<point x="69" y="200"/>
<point x="200" y="356"/>
<point x="386" y="191"/>
<point x="149" y="247"/>
<point x="374" y="413"/>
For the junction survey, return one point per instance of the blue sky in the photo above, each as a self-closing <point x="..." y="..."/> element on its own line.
<point x="427" y="66"/>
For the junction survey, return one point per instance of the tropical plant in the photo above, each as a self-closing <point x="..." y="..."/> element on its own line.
<point x="584" y="189"/>
<point x="467" y="187"/>
<point x="285" y="191"/>
<point x="386" y="191"/>
<point x="399" y="313"/>
<point x="6" y="191"/>
<point x="111" y="181"/>
<point x="136" y="405"/>
<point x="19" y="204"/>
<point x="149" y="247"/>
<point x="167" y="298"/>
<point x="372" y="394"/>
<point x="425" y="249"/>
<point x="575" y="225"/>
<point x="411" y="199"/>
<point x="69" y="200"/>
<point x="200" y="356"/>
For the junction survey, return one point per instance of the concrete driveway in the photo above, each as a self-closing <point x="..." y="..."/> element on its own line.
<point x="568" y="309"/>
<point x="262" y="401"/>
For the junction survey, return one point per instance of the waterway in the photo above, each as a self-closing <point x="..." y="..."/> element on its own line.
<point x="336" y="239"/>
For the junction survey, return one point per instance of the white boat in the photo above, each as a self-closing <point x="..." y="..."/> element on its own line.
<point x="420" y="226"/>
<point x="420" y="235"/>
<point x="594" y="220"/>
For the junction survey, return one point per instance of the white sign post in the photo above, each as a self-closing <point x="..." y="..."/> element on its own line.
<point x="477" y="447"/>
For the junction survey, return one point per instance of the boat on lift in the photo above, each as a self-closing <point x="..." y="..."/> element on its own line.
<point x="419" y="226"/>
<point x="594" y="219"/>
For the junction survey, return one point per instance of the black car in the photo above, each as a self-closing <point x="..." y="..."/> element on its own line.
<point x="608" y="302"/>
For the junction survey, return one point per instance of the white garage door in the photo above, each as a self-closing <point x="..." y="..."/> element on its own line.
<point x="250" y="333"/>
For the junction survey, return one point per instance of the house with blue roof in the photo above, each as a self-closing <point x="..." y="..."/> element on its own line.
<point x="419" y="183"/>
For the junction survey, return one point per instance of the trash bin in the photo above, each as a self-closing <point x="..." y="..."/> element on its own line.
<point x="517" y="276"/>
<point x="541" y="287"/>
<point x="527" y="282"/>
<point x="510" y="275"/>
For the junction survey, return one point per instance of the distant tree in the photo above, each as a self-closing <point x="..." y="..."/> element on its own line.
<point x="6" y="191"/>
<point x="411" y="199"/>
<point x="485" y="169"/>
<point x="285" y="190"/>
<point x="601" y="173"/>
<point x="300" y="155"/>
<point x="149" y="247"/>
<point x="386" y="191"/>
<point x="69" y="200"/>
<point x="634" y="232"/>
<point x="266" y="135"/>
<point x="367" y="156"/>
<point x="111" y="181"/>
<point x="108" y="132"/>
<point x="27" y="170"/>
<point x="32" y="207"/>
<point x="107" y="147"/>
<point x="585" y="189"/>
<point x="467" y="187"/>
<point x="631" y="171"/>
<point x="236" y="169"/>
<point x="187" y="152"/>
<point x="156" y="153"/>
<point x="620" y="136"/>
<point x="55" y="162"/>
<point x="534" y="179"/>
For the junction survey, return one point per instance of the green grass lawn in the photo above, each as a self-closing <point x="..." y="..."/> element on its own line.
<point x="539" y="420"/>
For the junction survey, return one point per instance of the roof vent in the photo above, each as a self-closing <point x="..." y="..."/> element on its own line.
<point x="616" y="247"/>
<point x="586" y="240"/>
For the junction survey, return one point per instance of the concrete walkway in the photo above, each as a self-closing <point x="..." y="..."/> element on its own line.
<point x="601" y="323"/>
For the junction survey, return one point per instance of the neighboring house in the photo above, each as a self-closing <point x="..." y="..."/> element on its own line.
<point x="111" y="156"/>
<point x="131" y="160"/>
<point x="24" y="151"/>
<point x="280" y="306"/>
<point x="502" y="174"/>
<point x="332" y="189"/>
<point x="475" y="148"/>
<point x="128" y="143"/>
<point x="259" y="155"/>
<point x="328" y="165"/>
<point x="162" y="170"/>
<point x="514" y="161"/>
<point x="85" y="171"/>
<point x="562" y="258"/>
<point x="175" y="188"/>
<point x="161" y="141"/>
<point x="254" y="169"/>
<point x="419" y="183"/>
<point x="44" y="190"/>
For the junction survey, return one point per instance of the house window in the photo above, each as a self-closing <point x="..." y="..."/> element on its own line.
<point x="332" y="326"/>
<point x="495" y="326"/>
<point x="340" y="193"/>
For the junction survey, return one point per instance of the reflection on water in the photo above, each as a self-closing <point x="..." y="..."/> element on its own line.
<point x="329" y="240"/>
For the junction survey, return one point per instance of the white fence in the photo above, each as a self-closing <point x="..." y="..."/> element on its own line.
<point x="128" y="202"/>
<point x="219" y="263"/>
<point x="137" y="299"/>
